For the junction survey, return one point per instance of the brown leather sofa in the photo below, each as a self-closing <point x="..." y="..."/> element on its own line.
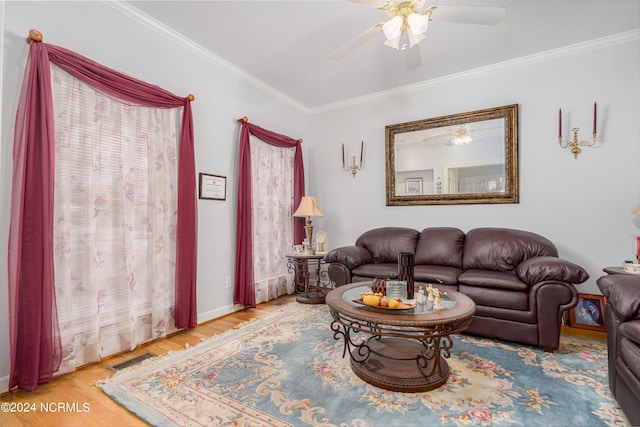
<point x="515" y="277"/>
<point x="622" y="320"/>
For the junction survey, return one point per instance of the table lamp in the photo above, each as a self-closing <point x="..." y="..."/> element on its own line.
<point x="308" y="207"/>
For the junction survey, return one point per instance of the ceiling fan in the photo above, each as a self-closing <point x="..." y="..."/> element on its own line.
<point x="408" y="21"/>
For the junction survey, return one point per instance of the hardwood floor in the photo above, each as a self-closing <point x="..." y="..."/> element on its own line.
<point x="583" y="333"/>
<point x="78" y="387"/>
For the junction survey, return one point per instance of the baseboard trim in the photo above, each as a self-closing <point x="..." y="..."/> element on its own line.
<point x="218" y="312"/>
<point x="4" y="385"/>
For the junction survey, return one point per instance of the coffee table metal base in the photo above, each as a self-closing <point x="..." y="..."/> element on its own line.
<point x="398" y="350"/>
<point x="388" y="367"/>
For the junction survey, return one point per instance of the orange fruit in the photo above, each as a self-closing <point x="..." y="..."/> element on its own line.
<point x="372" y="300"/>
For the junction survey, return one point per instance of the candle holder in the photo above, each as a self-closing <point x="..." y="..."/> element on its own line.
<point x="405" y="271"/>
<point x="353" y="167"/>
<point x="575" y="144"/>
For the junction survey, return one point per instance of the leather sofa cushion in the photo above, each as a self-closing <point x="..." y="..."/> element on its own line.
<point x="386" y="270"/>
<point x="351" y="256"/>
<point x="436" y="274"/>
<point x="440" y="246"/>
<point x="502" y="249"/>
<point x="541" y="269"/>
<point x="497" y="298"/>
<point x="386" y="243"/>
<point x="623" y="294"/>
<point x="492" y="279"/>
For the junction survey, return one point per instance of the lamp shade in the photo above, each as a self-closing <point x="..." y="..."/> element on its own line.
<point x="308" y="207"/>
<point x="636" y="210"/>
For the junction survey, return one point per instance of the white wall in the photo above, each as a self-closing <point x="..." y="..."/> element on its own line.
<point x="110" y="37"/>
<point x="584" y="205"/>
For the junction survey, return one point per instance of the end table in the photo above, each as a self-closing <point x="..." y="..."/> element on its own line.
<point x="617" y="270"/>
<point x="299" y="264"/>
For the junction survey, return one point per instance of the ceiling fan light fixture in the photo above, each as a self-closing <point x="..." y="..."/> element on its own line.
<point x="414" y="38"/>
<point x="461" y="135"/>
<point x="394" y="43"/>
<point x="393" y="28"/>
<point x="461" y="140"/>
<point x="417" y="23"/>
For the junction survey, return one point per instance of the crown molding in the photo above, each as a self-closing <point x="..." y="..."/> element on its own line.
<point x="165" y="31"/>
<point x="162" y="29"/>
<point x="600" y="43"/>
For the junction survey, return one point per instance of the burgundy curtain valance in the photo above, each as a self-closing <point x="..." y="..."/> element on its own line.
<point x="245" y="284"/>
<point x="34" y="333"/>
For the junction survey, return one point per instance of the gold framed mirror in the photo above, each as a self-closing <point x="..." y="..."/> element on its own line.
<point x="458" y="159"/>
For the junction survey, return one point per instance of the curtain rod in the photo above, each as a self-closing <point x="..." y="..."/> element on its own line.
<point x="245" y="119"/>
<point x="36" y="36"/>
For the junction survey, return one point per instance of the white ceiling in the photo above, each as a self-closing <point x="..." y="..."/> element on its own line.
<point x="286" y="44"/>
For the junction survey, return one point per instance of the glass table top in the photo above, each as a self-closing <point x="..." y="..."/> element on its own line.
<point x="446" y="302"/>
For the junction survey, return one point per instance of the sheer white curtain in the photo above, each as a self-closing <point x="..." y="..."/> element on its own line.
<point x="115" y="221"/>
<point x="272" y="179"/>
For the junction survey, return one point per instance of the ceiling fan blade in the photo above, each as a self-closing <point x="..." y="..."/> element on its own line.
<point x="468" y="14"/>
<point x="412" y="58"/>
<point x="354" y="43"/>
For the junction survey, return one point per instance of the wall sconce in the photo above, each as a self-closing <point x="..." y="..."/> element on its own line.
<point x="575" y="144"/>
<point x="353" y="167"/>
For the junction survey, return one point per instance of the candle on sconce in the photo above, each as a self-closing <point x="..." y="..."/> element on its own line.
<point x="560" y="124"/>
<point x="595" y="113"/>
<point x="342" y="155"/>
<point x="361" y="150"/>
<point x="638" y="246"/>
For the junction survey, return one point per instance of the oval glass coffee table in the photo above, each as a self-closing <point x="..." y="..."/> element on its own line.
<point x="398" y="350"/>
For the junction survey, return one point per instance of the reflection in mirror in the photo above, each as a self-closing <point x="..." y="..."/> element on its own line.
<point x="464" y="158"/>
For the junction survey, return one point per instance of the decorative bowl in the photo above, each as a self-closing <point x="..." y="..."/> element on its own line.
<point x="632" y="268"/>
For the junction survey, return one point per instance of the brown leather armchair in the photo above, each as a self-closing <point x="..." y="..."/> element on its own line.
<point x="622" y="320"/>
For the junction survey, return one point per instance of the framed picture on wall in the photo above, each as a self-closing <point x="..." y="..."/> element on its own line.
<point x="213" y="187"/>
<point x="413" y="186"/>
<point x="589" y="313"/>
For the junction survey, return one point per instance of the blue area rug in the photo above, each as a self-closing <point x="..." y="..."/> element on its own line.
<point x="286" y="369"/>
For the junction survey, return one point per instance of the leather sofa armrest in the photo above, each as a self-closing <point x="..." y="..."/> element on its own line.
<point x="544" y="268"/>
<point x="631" y="330"/>
<point x="350" y="256"/>
<point x="623" y="294"/>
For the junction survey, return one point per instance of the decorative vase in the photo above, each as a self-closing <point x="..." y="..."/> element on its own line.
<point x="379" y="286"/>
<point x="405" y="271"/>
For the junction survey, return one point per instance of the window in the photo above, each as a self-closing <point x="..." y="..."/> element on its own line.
<point x="114" y="222"/>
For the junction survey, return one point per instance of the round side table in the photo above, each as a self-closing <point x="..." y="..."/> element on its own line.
<point x="617" y="270"/>
<point x="299" y="265"/>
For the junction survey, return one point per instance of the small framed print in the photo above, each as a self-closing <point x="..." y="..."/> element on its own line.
<point x="589" y="313"/>
<point x="413" y="186"/>
<point x="213" y="187"/>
